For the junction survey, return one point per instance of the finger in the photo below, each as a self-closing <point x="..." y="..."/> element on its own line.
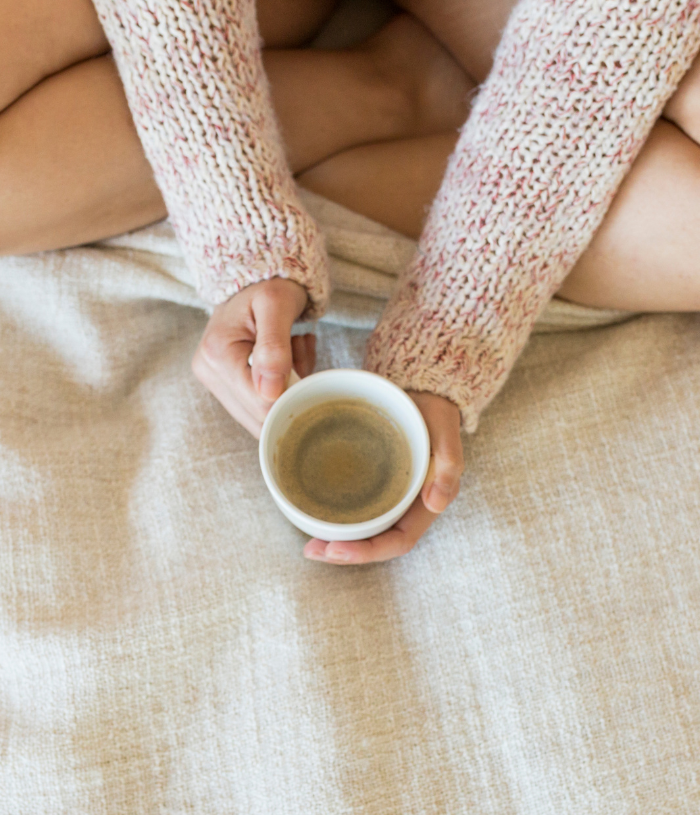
<point x="446" y="458"/>
<point x="226" y="345"/>
<point x="300" y="356"/>
<point x="241" y="415"/>
<point x="238" y="389"/>
<point x="221" y="389"/>
<point x="230" y="365"/>
<point x="274" y="314"/>
<point x="227" y="359"/>
<point x="304" y="354"/>
<point x="395" y="542"/>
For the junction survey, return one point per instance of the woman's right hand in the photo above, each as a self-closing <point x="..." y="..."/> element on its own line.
<point x="439" y="490"/>
<point x="259" y="320"/>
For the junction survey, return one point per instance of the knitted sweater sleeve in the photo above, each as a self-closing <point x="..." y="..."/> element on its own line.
<point x="193" y="75"/>
<point x="575" y="89"/>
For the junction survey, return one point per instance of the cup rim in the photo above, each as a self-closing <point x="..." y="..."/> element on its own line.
<point x="327" y="528"/>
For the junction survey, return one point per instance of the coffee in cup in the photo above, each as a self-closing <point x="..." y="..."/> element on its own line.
<point x="343" y="461"/>
<point x="316" y="468"/>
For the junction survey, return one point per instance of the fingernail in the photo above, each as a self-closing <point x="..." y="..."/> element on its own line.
<point x="437" y="499"/>
<point x="339" y="554"/>
<point x="271" y="386"/>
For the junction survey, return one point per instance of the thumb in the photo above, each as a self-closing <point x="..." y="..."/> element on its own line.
<point x="272" y="353"/>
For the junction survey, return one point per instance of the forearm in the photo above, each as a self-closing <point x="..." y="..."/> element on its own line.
<point x="572" y="96"/>
<point x="194" y="81"/>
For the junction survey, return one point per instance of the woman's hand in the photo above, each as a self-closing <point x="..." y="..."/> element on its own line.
<point x="440" y="487"/>
<point x="259" y="319"/>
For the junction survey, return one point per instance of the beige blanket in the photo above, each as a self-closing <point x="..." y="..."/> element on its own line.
<point x="164" y="647"/>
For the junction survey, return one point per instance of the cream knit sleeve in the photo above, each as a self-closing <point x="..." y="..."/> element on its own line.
<point x="575" y="89"/>
<point x="194" y="80"/>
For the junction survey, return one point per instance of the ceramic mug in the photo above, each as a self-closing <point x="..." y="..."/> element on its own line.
<point x="342" y="383"/>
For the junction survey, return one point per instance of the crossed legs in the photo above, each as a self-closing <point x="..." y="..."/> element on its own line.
<point x="370" y="126"/>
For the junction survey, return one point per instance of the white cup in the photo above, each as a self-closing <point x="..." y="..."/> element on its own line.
<point x="343" y="383"/>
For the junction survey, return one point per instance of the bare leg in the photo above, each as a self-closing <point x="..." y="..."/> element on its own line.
<point x="621" y="252"/>
<point x="292" y="23"/>
<point x="469" y="29"/>
<point x="392" y="182"/>
<point x="398" y="84"/>
<point x="72" y="169"/>
<point x="643" y="258"/>
<point x="645" y="255"/>
<point x="39" y="38"/>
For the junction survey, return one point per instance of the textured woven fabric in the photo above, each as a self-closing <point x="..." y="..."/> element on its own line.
<point x="164" y="647"/>
<point x="194" y="80"/>
<point x="575" y="89"/>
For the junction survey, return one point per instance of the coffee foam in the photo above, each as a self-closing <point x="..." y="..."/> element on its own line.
<point x="343" y="461"/>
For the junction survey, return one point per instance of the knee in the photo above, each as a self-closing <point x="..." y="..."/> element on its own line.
<point x="683" y="108"/>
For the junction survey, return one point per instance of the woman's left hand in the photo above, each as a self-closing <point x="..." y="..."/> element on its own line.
<point x="440" y="488"/>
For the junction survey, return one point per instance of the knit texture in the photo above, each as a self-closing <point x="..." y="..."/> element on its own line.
<point x="575" y="89"/>
<point x="194" y="80"/>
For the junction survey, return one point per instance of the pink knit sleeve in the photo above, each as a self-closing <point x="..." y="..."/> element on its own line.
<point x="575" y="89"/>
<point x="193" y="76"/>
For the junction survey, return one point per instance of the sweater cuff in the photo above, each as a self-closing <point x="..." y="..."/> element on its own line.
<point x="411" y="347"/>
<point x="426" y="381"/>
<point x="226" y="275"/>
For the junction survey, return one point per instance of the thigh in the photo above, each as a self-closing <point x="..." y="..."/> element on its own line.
<point x="72" y="168"/>
<point x="644" y="255"/>
<point x="292" y="23"/>
<point x="41" y="37"/>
